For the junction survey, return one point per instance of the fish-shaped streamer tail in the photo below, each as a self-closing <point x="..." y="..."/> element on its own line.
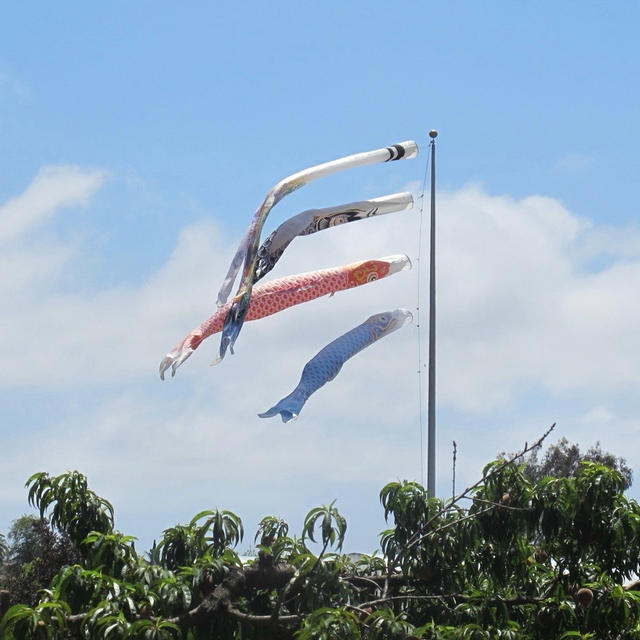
<point x="248" y="248"/>
<point x="276" y="295"/>
<point x="314" y="220"/>
<point x="326" y="364"/>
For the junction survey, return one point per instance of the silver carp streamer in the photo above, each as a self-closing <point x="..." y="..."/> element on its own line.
<point x="314" y="220"/>
<point x="248" y="249"/>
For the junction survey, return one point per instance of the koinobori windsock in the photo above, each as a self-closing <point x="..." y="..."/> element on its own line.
<point x="314" y="220"/>
<point x="326" y="364"/>
<point x="248" y="249"/>
<point x="276" y="295"/>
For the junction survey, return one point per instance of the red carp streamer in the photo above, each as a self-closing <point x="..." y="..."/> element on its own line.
<point x="276" y="295"/>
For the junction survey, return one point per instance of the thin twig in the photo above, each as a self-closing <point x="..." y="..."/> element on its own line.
<point x="350" y="579"/>
<point x="421" y="533"/>
<point x="499" y="505"/>
<point x="516" y="600"/>
<point x="455" y="450"/>
<point x="413" y="540"/>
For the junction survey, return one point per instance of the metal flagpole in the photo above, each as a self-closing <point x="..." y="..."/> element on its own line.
<point x="431" y="430"/>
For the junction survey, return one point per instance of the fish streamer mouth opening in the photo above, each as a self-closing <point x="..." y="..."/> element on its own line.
<point x="399" y="318"/>
<point x="397" y="262"/>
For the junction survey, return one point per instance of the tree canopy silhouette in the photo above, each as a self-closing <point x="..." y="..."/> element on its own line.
<point x="562" y="460"/>
<point x="508" y="557"/>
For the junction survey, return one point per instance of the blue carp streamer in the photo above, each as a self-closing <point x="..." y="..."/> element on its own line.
<point x="326" y="364"/>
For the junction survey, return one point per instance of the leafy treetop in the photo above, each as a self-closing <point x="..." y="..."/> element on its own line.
<point x="509" y="557"/>
<point x="562" y="460"/>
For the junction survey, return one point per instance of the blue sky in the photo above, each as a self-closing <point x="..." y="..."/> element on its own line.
<point x="138" y="139"/>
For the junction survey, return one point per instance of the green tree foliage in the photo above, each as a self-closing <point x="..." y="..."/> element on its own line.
<point x="34" y="555"/>
<point x="562" y="460"/>
<point x="509" y="557"/>
<point x="74" y="508"/>
<point x="4" y="548"/>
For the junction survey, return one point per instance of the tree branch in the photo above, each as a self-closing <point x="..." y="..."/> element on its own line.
<point x="234" y="584"/>
<point x="514" y="601"/>
<point x="262" y="620"/>
<point x="295" y="581"/>
<point x="419" y="535"/>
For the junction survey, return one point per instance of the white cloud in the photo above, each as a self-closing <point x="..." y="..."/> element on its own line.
<point x="599" y="415"/>
<point x="606" y="243"/>
<point x="518" y="313"/>
<point x="53" y="188"/>
<point x="26" y="270"/>
<point x="518" y="309"/>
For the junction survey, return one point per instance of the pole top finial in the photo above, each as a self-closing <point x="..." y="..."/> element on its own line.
<point x="433" y="134"/>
